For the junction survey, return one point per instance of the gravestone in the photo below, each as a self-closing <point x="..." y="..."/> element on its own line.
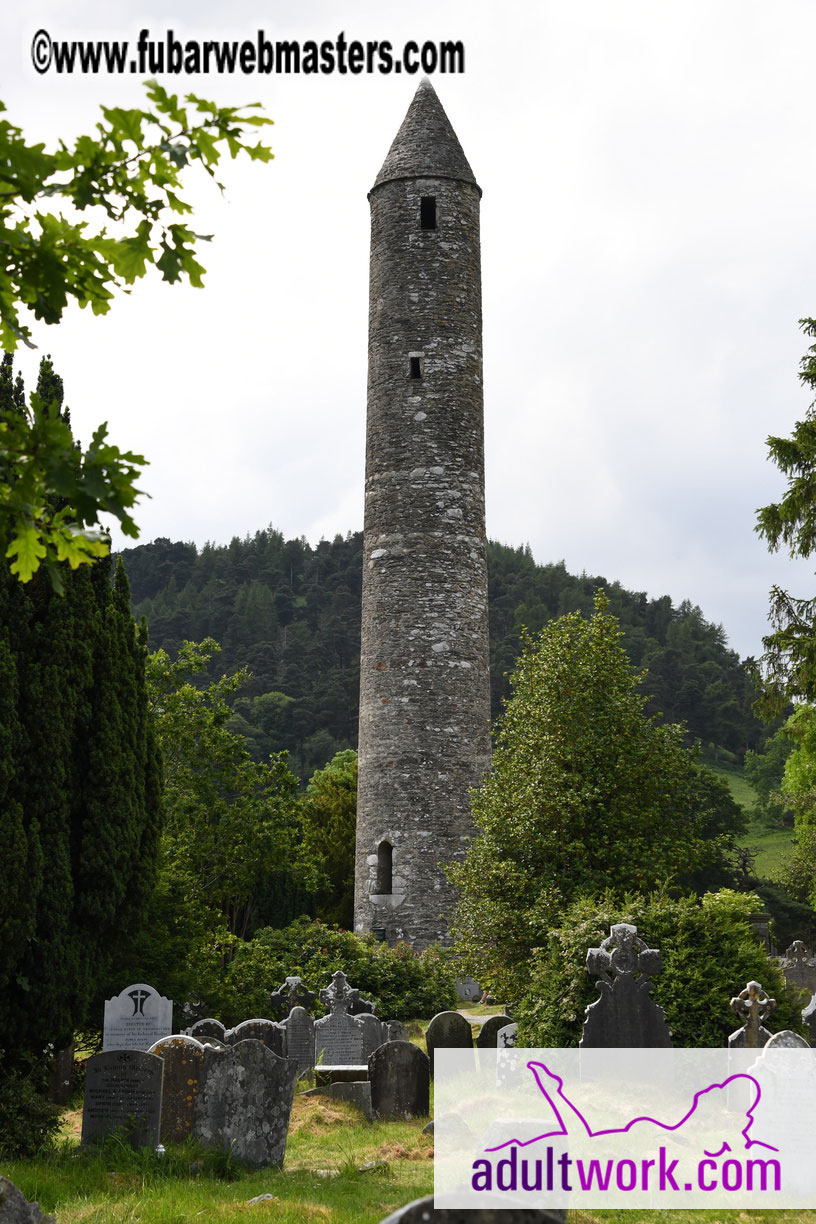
<point x="787" y="1040"/>
<point x="375" y="1032"/>
<point x="400" y="1075"/>
<point x="397" y="1031"/>
<point x="202" y="1029"/>
<point x="16" y="1209"/>
<point x="59" y="1085"/>
<point x="799" y="967"/>
<point x="338" y="1040"/>
<point x="506" y="1037"/>
<point x="753" y="1005"/>
<point x="624" y="1014"/>
<point x="468" y="990"/>
<point x="300" y="1039"/>
<point x="268" y="1031"/>
<point x="422" y="1211"/>
<point x="183" y="1058"/>
<point x="487" y="1037"/>
<point x="136" y="1018"/>
<point x="447" y="1030"/>
<point x="290" y="995"/>
<point x="339" y="992"/>
<point x="123" y="1090"/>
<point x="244" y="1102"/>
<point x="809" y="1017"/>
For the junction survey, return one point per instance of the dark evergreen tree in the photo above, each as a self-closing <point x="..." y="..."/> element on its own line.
<point x="79" y="789"/>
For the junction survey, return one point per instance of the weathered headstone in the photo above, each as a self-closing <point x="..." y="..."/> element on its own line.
<point x="202" y="1029"/>
<point x="753" y="1006"/>
<point x="487" y="1037"/>
<point x="375" y="1032"/>
<point x="447" y="1030"/>
<point x="339" y="994"/>
<point x="399" y="1074"/>
<point x="506" y="1037"/>
<point x="468" y="990"/>
<point x="422" y="1211"/>
<point x="244" y="1103"/>
<point x="183" y="1059"/>
<point x="397" y="1031"/>
<point x="16" y="1209"/>
<point x="787" y="1040"/>
<point x="123" y="1091"/>
<point x="338" y="1040"/>
<point x="300" y="1039"/>
<point x="290" y="995"/>
<point x="136" y="1018"/>
<point x="624" y="1014"/>
<point x="799" y="967"/>
<point x="809" y="1017"/>
<point x="59" y="1086"/>
<point x="269" y="1032"/>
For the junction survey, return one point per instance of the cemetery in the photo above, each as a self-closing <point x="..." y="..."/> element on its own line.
<point x="433" y="803"/>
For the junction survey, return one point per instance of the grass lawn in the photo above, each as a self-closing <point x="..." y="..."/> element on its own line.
<point x="772" y="844"/>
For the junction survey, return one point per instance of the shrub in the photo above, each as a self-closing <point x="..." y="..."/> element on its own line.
<point x="401" y="982"/>
<point x="28" y="1121"/>
<point x="708" y="949"/>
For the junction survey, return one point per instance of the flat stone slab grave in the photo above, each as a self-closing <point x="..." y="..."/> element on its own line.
<point x="123" y="1091"/>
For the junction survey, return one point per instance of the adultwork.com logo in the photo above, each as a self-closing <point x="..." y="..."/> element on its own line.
<point x="623" y="1128"/>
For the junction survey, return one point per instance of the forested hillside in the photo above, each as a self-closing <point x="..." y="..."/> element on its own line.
<point x="290" y="612"/>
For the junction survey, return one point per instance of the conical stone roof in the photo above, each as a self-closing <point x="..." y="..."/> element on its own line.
<point x="426" y="145"/>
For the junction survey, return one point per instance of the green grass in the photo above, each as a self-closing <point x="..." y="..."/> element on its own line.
<point x="772" y="844"/>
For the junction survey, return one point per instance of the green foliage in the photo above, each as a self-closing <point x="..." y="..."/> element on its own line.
<point x="230" y="820"/>
<point x="290" y="613"/>
<point x="80" y="796"/>
<point x="328" y="816"/>
<point x="788" y="666"/>
<point x="404" y="984"/>
<point x="51" y="494"/>
<point x="586" y="791"/>
<point x="709" y="953"/>
<point x="27" y="1121"/>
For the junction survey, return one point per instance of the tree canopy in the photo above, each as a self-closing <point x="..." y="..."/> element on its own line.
<point x="587" y="792"/>
<point x="128" y="175"/>
<point x="789" y="663"/>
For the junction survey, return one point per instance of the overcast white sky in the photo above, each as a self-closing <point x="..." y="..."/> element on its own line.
<point x="647" y="250"/>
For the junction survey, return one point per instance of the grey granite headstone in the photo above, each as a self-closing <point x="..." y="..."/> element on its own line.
<point x="487" y="1037"/>
<point x="16" y="1209"/>
<point x="136" y="1018"/>
<point x="624" y="1014"/>
<point x="300" y="1039"/>
<point x="468" y="990"/>
<point x="400" y="1076"/>
<point x="290" y="995"/>
<point x="123" y="1091"/>
<point x="447" y="1030"/>
<point x="422" y="1211"/>
<point x="244" y="1103"/>
<point x="183" y="1059"/>
<point x="338" y="1040"/>
<point x="753" y="1005"/>
<point x="375" y="1032"/>
<point x="202" y="1029"/>
<point x="397" y="1031"/>
<point x="268" y="1031"/>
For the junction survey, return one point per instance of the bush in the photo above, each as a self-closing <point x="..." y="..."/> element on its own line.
<point x="28" y="1121"/>
<point x="401" y="982"/>
<point x="708" y="949"/>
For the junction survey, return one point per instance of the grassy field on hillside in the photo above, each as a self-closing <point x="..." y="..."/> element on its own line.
<point x="772" y="844"/>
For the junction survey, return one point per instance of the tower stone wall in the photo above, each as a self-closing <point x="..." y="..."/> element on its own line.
<point x="424" y="694"/>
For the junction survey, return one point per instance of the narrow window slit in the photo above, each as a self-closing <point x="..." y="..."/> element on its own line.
<point x="384" y="862"/>
<point x="427" y="212"/>
<point x="416" y="371"/>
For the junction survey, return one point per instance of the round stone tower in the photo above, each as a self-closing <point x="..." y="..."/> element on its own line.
<point x="424" y="671"/>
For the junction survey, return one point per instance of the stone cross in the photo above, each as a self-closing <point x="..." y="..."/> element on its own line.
<point x="624" y="1015"/>
<point x="344" y="999"/>
<point x="291" y="994"/>
<point x="752" y="1005"/>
